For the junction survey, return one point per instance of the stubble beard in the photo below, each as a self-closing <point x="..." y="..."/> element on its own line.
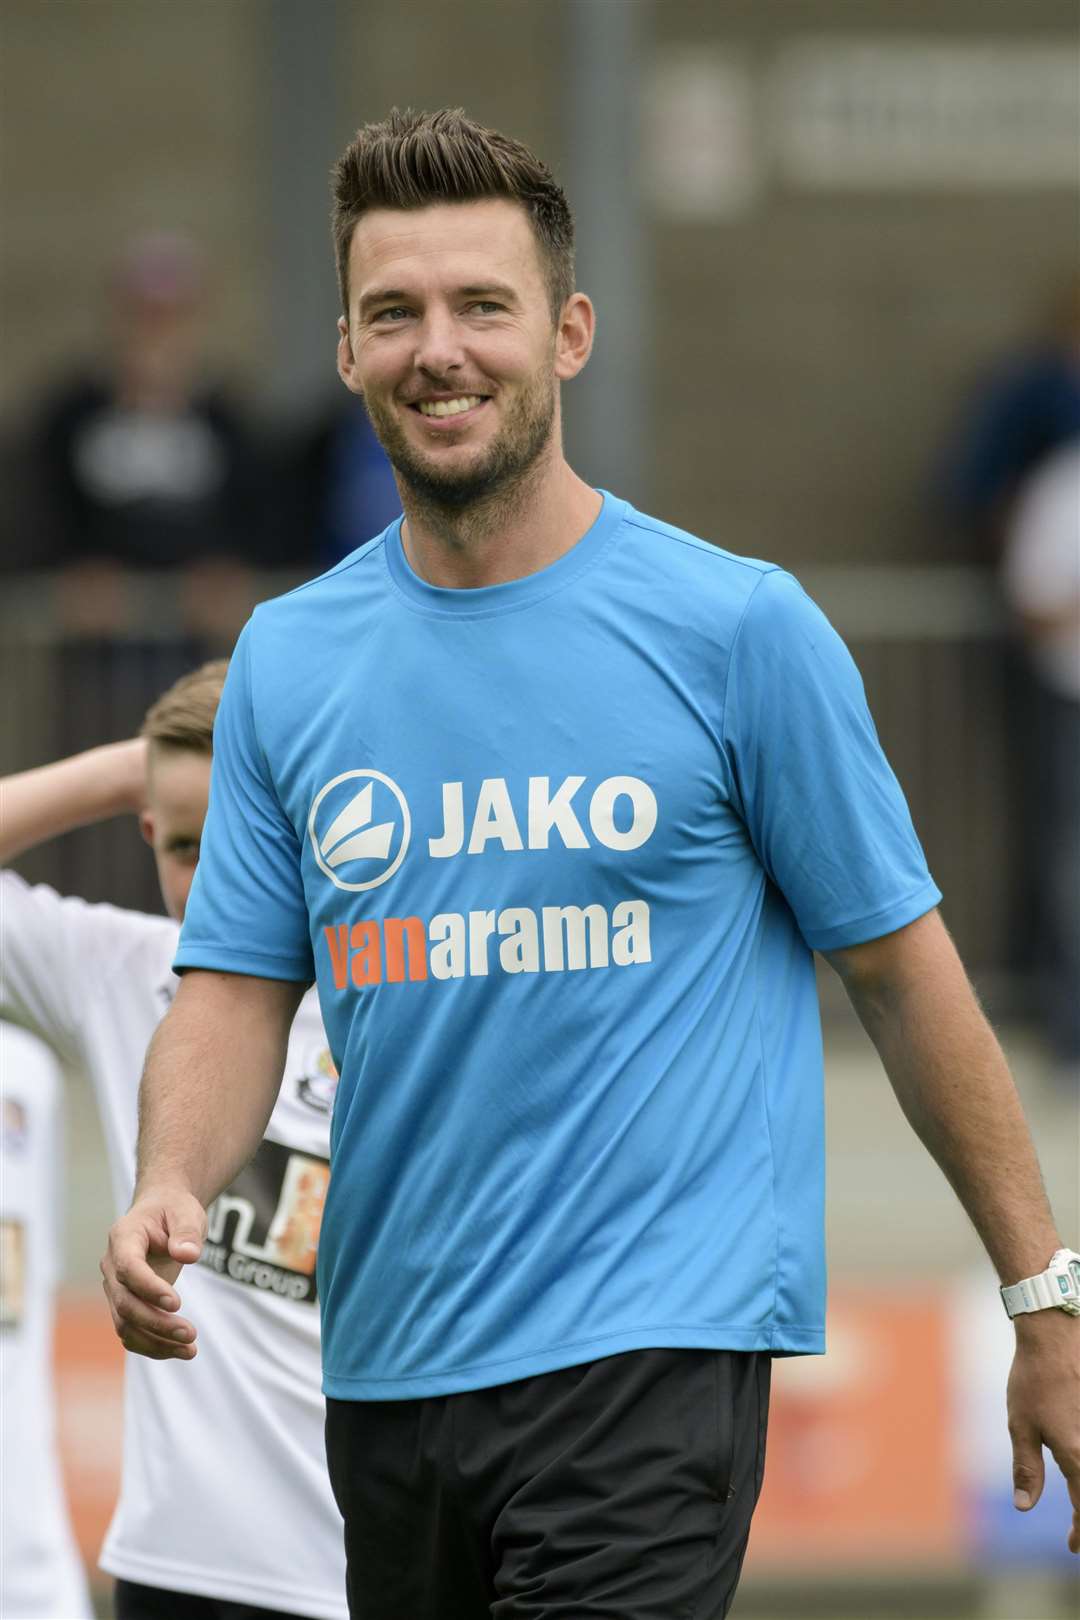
<point x="489" y="489"/>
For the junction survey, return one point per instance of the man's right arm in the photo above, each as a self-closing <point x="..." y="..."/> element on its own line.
<point x="212" y="1076"/>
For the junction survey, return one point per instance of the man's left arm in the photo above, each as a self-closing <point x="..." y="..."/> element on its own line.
<point x="951" y="1079"/>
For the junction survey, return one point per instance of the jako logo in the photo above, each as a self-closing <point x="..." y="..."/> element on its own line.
<point x="365" y="829"/>
<point x="546" y="811"/>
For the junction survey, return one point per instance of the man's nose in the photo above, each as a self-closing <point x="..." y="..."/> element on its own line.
<point x="438" y="344"/>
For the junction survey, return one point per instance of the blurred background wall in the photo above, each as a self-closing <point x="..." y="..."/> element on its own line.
<point x="831" y="244"/>
<point x="813" y="234"/>
<point x="809" y="326"/>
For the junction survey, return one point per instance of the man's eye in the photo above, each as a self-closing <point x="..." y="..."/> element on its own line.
<point x="394" y="313"/>
<point x="486" y="306"/>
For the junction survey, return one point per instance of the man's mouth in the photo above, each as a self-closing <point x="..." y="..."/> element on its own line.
<point x="455" y="406"/>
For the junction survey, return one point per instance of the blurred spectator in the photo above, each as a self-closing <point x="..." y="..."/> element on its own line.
<point x="142" y="461"/>
<point x="1041" y="581"/>
<point x="1025" y="409"/>
<point x="345" y="490"/>
<point x="1027" y="406"/>
<point x="139" y="461"/>
<point x="141" y="466"/>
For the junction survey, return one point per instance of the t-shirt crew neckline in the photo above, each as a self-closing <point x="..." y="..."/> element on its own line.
<point x="514" y="593"/>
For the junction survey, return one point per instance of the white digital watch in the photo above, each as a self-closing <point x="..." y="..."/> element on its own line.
<point x="1057" y="1287"/>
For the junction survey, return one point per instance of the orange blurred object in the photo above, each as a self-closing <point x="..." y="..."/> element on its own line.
<point x="90" y="1383"/>
<point x="860" y="1474"/>
<point x="860" y="1471"/>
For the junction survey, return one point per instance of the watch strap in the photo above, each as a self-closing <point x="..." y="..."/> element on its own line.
<point x="1058" y="1286"/>
<point x="1032" y="1294"/>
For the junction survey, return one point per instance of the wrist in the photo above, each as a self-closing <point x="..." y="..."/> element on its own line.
<point x="123" y="776"/>
<point x="163" y="1189"/>
<point x="1039" y="1329"/>
<point x="1052" y="1290"/>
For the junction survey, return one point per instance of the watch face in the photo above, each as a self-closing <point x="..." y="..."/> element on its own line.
<point x="1068" y="1281"/>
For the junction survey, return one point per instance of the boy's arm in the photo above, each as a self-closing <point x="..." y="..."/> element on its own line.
<point x="41" y="804"/>
<point x="950" y="1076"/>
<point x="52" y="946"/>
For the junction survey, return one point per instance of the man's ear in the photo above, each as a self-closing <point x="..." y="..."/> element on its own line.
<point x="574" y="336"/>
<point x="146" y="826"/>
<point x="346" y="364"/>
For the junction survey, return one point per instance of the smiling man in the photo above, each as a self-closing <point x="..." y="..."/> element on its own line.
<point x="556" y="803"/>
<point x="485" y="426"/>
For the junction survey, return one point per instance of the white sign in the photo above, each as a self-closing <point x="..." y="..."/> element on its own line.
<point x="699" y="149"/>
<point x="914" y="112"/>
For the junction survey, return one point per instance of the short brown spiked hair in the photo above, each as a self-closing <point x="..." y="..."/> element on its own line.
<point x="415" y="159"/>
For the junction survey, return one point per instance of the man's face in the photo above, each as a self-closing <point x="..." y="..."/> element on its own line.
<point x="452" y="345"/>
<point x="178" y="788"/>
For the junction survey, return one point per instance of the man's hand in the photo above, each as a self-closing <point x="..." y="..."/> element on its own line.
<point x="212" y="1076"/>
<point x="161" y="1233"/>
<point x="1044" y="1407"/>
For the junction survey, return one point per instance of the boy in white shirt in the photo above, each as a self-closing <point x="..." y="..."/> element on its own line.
<point x="225" y="1509"/>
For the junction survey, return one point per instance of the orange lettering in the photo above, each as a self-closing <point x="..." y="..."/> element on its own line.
<point x="367" y="958"/>
<point x="398" y="930"/>
<point x="337" y="940"/>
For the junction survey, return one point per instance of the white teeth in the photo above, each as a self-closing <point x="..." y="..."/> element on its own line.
<point x="448" y="407"/>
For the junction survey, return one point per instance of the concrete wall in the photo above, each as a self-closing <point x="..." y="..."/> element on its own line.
<point x="118" y="116"/>
<point x="811" y="348"/>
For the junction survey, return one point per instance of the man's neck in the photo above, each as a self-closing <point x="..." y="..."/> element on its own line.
<point x="515" y="533"/>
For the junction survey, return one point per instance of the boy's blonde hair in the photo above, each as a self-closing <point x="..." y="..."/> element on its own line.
<point x="183" y="717"/>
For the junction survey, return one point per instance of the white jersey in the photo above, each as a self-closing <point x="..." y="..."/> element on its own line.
<point x="224" y="1491"/>
<point x="40" y="1571"/>
<point x="1041" y="566"/>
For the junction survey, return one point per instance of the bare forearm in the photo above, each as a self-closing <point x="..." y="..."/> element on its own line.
<point x="212" y="1075"/>
<point x="950" y="1075"/>
<point x="953" y="1083"/>
<point x="53" y="799"/>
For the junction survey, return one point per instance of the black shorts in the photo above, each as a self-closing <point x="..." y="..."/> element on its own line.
<point x="137" y="1602"/>
<point x="618" y="1490"/>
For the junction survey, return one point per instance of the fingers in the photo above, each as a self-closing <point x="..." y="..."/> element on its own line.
<point x="1044" y="1409"/>
<point x="135" y="1271"/>
<point x="1070" y="1467"/>
<point x="149" y="1244"/>
<point x="1062" y="1438"/>
<point x="146" y="1328"/>
<point x="185" y="1247"/>
<point x="157" y="1335"/>
<point x="1028" y="1469"/>
<point x="185" y="1222"/>
<point x="147" y="1248"/>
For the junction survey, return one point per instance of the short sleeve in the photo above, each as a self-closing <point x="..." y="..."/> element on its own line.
<point x="246" y="912"/>
<point x="47" y="944"/>
<point x="822" y="807"/>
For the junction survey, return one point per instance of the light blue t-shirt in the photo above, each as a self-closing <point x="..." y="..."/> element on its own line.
<point x="557" y="852"/>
